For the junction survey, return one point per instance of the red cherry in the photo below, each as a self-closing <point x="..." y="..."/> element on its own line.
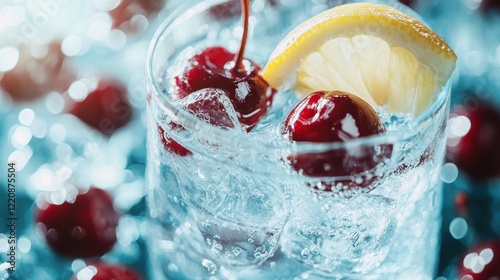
<point x="33" y="77"/>
<point x="409" y="3"/>
<point x="106" y="108"/>
<point x="82" y="229"/>
<point x="461" y="202"/>
<point x="226" y="10"/>
<point x="231" y="9"/>
<point x="487" y="5"/>
<point x="481" y="262"/>
<point x="325" y="117"/>
<point x="124" y="13"/>
<point x="171" y="145"/>
<point x="477" y="152"/>
<point x="105" y="271"/>
<point x="249" y="93"/>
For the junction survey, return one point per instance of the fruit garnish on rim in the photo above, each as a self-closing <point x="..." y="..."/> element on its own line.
<point x="345" y="61"/>
<point x="373" y="51"/>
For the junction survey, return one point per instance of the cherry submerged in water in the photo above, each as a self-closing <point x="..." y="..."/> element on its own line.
<point x="326" y="117"/>
<point x="249" y="93"/>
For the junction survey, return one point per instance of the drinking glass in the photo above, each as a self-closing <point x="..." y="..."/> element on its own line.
<point x="226" y="204"/>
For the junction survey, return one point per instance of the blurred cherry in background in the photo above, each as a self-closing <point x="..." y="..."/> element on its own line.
<point x="106" y="108"/>
<point x="131" y="15"/>
<point x="481" y="262"/>
<point x="475" y="138"/>
<point x="106" y="271"/>
<point x="83" y="228"/>
<point x="32" y="71"/>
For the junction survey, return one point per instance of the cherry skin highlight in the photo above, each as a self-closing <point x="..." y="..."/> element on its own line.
<point x="214" y="67"/>
<point x="481" y="262"/>
<point x="105" y="109"/>
<point x="326" y="117"/>
<point x="105" y="271"/>
<point x="477" y="153"/>
<point x="85" y="228"/>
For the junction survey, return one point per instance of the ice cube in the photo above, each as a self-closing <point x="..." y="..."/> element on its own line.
<point x="240" y="218"/>
<point x="213" y="106"/>
<point x="342" y="238"/>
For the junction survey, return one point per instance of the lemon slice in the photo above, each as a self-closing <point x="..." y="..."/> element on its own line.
<point x="374" y="51"/>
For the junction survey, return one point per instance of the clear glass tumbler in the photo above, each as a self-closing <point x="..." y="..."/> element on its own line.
<point x="226" y="204"/>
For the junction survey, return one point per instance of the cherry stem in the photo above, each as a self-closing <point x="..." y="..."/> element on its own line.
<point x="245" y="14"/>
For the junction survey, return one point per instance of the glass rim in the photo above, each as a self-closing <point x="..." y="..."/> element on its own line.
<point x="187" y="10"/>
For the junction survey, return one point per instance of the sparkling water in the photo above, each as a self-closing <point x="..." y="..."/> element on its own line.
<point x="234" y="209"/>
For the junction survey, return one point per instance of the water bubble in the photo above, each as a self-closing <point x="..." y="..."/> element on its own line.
<point x="260" y="252"/>
<point x="217" y="246"/>
<point x="305" y="252"/>
<point x="210" y="266"/>
<point x="237" y="251"/>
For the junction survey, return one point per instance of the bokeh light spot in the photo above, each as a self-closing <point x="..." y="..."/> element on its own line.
<point x="106" y="5"/>
<point x="116" y="39"/>
<point x="9" y="56"/>
<point x="23" y="244"/>
<point x="57" y="133"/>
<point x="71" y="45"/>
<point x="55" y="103"/>
<point x="11" y="16"/>
<point x="78" y="91"/>
<point x="21" y="136"/>
<point x="26" y="117"/>
<point x="99" y="27"/>
<point x="449" y="173"/>
<point x="459" y="126"/>
<point x="458" y="228"/>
